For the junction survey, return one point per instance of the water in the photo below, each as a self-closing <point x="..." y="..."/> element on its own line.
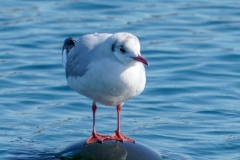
<point x="189" y="108"/>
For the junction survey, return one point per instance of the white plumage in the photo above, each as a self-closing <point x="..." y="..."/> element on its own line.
<point x="107" y="68"/>
<point x="109" y="76"/>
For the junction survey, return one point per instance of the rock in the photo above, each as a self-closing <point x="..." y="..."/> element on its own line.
<point x="109" y="150"/>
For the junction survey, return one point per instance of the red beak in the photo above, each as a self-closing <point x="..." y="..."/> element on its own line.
<point x="141" y="59"/>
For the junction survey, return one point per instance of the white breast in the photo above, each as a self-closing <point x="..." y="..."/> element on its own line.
<point x="108" y="83"/>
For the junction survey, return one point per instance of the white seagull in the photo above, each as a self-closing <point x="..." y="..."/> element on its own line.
<point x="107" y="68"/>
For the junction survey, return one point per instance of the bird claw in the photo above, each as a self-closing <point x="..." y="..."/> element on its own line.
<point x="118" y="136"/>
<point x="97" y="138"/>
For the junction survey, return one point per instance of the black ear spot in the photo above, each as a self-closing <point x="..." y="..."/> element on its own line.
<point x="113" y="46"/>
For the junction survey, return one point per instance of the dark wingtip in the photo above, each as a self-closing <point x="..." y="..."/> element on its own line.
<point x="68" y="44"/>
<point x="69" y="41"/>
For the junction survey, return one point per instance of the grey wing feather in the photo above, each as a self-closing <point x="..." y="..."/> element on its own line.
<point x="81" y="56"/>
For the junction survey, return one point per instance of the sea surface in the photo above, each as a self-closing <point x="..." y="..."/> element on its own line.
<point x="190" y="108"/>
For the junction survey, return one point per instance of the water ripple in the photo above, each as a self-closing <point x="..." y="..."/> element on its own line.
<point x="189" y="106"/>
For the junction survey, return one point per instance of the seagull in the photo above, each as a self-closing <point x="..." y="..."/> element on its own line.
<point x="108" y="69"/>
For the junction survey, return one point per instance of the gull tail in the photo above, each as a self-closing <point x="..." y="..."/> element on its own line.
<point x="68" y="44"/>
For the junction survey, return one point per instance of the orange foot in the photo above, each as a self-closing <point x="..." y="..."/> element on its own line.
<point x="95" y="137"/>
<point x="118" y="136"/>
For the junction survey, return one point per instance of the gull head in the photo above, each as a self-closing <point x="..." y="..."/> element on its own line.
<point x="126" y="48"/>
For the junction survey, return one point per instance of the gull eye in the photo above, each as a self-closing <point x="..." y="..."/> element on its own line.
<point x="122" y="50"/>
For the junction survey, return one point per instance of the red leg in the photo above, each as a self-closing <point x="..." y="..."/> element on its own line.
<point x="95" y="137"/>
<point x="118" y="136"/>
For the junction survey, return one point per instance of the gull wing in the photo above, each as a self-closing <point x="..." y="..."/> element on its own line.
<point x="81" y="55"/>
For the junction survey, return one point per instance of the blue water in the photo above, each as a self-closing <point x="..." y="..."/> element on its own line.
<point x="189" y="108"/>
